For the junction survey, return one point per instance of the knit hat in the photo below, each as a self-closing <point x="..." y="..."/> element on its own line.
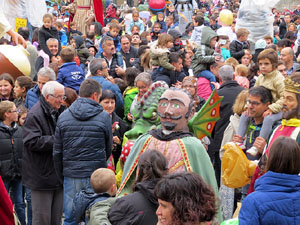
<point x="175" y="33"/>
<point x="260" y="44"/>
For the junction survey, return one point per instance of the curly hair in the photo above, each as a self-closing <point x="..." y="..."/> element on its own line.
<point x="192" y="199"/>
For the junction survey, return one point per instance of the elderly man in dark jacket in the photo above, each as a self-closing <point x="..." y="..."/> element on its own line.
<point x="229" y="89"/>
<point x="82" y="144"/>
<point x="38" y="171"/>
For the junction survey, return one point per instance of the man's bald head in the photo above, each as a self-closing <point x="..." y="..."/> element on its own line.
<point x="286" y="55"/>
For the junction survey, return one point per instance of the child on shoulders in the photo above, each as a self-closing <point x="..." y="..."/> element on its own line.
<point x="69" y="74"/>
<point x="273" y="80"/>
<point x="237" y="47"/>
<point x="159" y="55"/>
<point x="46" y="32"/>
<point x="136" y="21"/>
<point x="205" y="55"/>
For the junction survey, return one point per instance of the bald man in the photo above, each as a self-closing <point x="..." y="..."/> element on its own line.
<point x="287" y="56"/>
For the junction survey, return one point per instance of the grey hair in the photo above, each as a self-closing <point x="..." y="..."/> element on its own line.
<point x="47" y="72"/>
<point x="50" y="87"/>
<point x="95" y="65"/>
<point x="275" y="30"/>
<point x="226" y="73"/>
<point x="104" y="39"/>
<point x="51" y="39"/>
<point x="144" y="77"/>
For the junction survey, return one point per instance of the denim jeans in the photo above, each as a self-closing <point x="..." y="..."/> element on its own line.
<point x="71" y="187"/>
<point x="29" y="207"/>
<point x="15" y="189"/>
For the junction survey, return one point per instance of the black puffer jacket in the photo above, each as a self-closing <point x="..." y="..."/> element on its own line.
<point x="136" y="208"/>
<point x="83" y="139"/>
<point x="38" y="171"/>
<point x="11" y="143"/>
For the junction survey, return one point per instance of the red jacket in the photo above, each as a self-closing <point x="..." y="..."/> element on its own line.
<point x="6" y="206"/>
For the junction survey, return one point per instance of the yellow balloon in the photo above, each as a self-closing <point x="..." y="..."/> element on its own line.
<point x="226" y="17"/>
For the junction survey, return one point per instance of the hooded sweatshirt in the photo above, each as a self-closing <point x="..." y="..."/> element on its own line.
<point x="159" y="57"/>
<point x="204" y="56"/>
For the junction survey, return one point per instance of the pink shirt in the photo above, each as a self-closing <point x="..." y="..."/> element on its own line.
<point x="203" y="88"/>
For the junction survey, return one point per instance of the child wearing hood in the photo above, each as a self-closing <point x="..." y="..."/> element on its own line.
<point x="161" y="20"/>
<point x="204" y="56"/>
<point x="83" y="53"/>
<point x="93" y="205"/>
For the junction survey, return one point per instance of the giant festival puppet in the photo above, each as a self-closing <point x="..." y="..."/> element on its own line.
<point x="174" y="109"/>
<point x="83" y="10"/>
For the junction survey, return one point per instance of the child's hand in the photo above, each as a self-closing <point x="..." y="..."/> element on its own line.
<point x="267" y="113"/>
<point x="260" y="144"/>
<point x="237" y="138"/>
<point x="217" y="58"/>
<point x="216" y="84"/>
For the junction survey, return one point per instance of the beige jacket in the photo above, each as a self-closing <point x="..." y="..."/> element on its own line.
<point x="273" y="81"/>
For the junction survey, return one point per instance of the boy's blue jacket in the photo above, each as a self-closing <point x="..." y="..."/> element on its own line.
<point x="70" y="75"/>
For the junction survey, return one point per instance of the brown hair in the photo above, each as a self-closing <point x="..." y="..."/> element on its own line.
<point x="232" y="62"/>
<point x="284" y="156"/>
<point x="49" y="16"/>
<point x="59" y="24"/>
<point x="268" y="37"/>
<point x="5" y="106"/>
<point x="114" y="26"/>
<point x="270" y="54"/>
<point x="242" y="70"/>
<point x="152" y="165"/>
<point x="135" y="12"/>
<point x="145" y="34"/>
<point x="163" y="39"/>
<point x="25" y="82"/>
<point x="134" y="27"/>
<point x="240" y="102"/>
<point x="71" y="95"/>
<point x="67" y="54"/>
<point x="241" y="32"/>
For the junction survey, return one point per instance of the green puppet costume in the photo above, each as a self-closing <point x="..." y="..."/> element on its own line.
<point x="183" y="150"/>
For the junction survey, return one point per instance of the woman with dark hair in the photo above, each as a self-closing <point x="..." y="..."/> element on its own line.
<point x="140" y="206"/>
<point x="22" y="86"/>
<point x="184" y="198"/>
<point x="119" y="127"/>
<point x="6" y="87"/>
<point x="70" y="96"/>
<point x="277" y="193"/>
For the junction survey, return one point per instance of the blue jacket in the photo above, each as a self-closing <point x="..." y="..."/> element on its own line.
<point x="83" y="139"/>
<point x="70" y="75"/>
<point x="63" y="38"/>
<point x="32" y="97"/>
<point x="138" y="23"/>
<point x="107" y="85"/>
<point x="84" y="200"/>
<point x="276" y="200"/>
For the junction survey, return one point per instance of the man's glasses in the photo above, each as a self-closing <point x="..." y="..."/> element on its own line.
<point x="59" y="97"/>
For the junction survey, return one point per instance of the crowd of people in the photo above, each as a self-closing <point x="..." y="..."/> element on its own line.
<point x="137" y="76"/>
